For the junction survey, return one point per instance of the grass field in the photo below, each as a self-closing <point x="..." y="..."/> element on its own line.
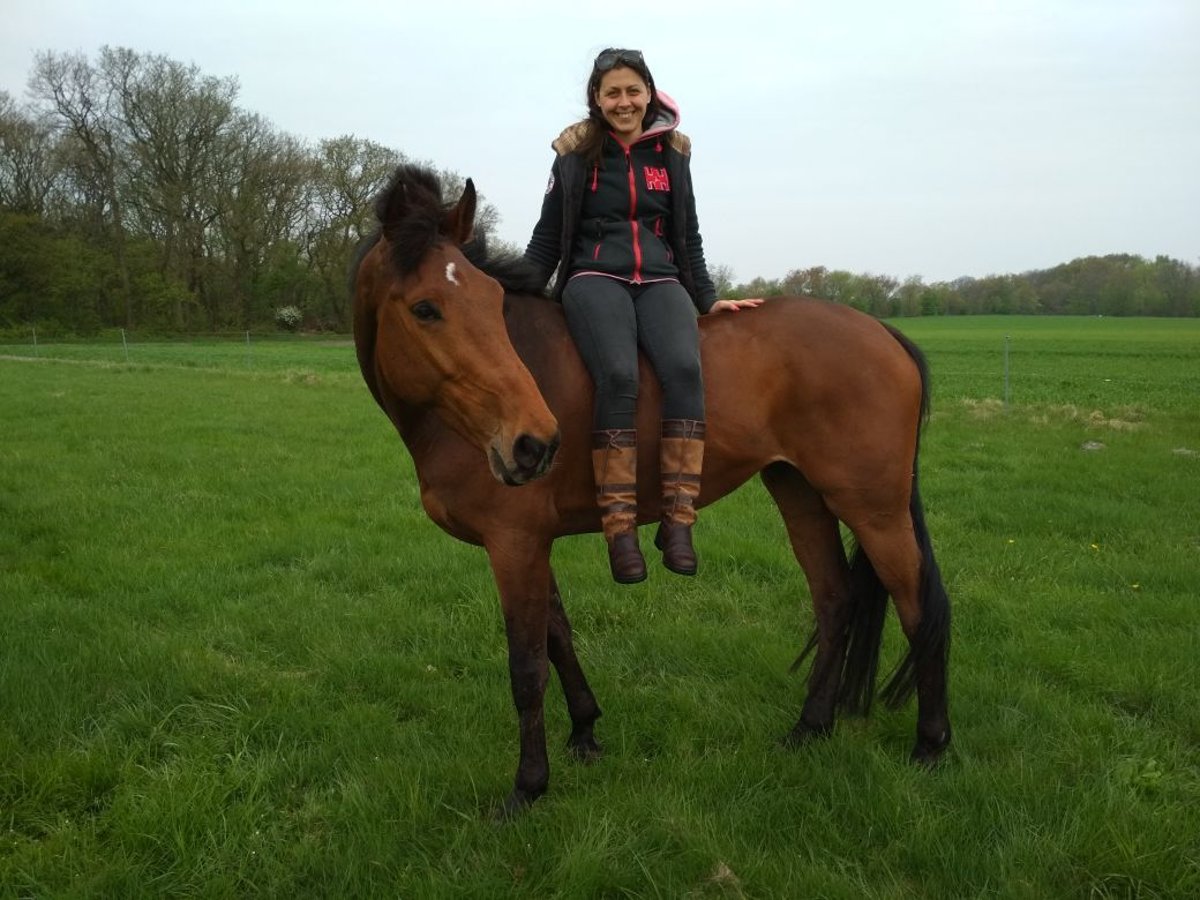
<point x="237" y="660"/>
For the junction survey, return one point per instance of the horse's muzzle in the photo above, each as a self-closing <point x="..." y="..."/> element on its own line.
<point x="531" y="459"/>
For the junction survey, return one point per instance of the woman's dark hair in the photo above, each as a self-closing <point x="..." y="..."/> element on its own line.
<point x="606" y="61"/>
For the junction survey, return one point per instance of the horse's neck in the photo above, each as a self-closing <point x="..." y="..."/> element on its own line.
<point x="421" y="430"/>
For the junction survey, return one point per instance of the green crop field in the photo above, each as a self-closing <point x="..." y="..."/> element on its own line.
<point x="237" y="660"/>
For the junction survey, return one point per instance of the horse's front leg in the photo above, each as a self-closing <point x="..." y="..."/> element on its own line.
<point x="521" y="565"/>
<point x="581" y="702"/>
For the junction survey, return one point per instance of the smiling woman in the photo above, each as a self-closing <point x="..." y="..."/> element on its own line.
<point x="619" y="229"/>
<point x="623" y="96"/>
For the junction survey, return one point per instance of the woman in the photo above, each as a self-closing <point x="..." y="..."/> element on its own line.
<point x="618" y="229"/>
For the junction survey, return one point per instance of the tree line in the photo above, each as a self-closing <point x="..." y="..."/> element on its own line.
<point x="136" y="193"/>
<point x="1112" y="285"/>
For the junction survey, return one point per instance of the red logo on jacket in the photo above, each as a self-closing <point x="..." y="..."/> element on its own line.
<point x="656" y="179"/>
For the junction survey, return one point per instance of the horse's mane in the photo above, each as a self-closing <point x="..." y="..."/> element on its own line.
<point x="410" y="212"/>
<point x="509" y="267"/>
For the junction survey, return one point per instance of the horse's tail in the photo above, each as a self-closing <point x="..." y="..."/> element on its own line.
<point x="868" y="600"/>
<point x="918" y="358"/>
<point x="864" y="634"/>
<point x="931" y="644"/>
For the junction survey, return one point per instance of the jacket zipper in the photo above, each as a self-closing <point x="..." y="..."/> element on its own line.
<point x="633" y="222"/>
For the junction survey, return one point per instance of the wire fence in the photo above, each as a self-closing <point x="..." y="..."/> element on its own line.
<point x="242" y="351"/>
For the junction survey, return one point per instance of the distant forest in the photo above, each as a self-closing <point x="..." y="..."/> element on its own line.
<point x="136" y="193"/>
<point x="1113" y="285"/>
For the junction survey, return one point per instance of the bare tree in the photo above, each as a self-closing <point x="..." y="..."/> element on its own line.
<point x="173" y="118"/>
<point x="81" y="107"/>
<point x="267" y="186"/>
<point x="28" y="161"/>
<point x="722" y="278"/>
<point x="348" y="173"/>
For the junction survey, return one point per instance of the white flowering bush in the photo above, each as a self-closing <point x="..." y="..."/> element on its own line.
<point x="289" y="317"/>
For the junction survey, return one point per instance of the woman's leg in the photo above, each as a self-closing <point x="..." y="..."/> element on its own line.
<point x="603" y="324"/>
<point x="601" y="319"/>
<point x="669" y="334"/>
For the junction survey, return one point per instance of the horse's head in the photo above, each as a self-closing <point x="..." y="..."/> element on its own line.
<point x="429" y="330"/>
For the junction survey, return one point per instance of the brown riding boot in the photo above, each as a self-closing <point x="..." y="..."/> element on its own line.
<point x="682" y="457"/>
<point x="614" y="464"/>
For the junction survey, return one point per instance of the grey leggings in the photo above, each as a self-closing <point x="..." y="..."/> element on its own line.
<point x="610" y="319"/>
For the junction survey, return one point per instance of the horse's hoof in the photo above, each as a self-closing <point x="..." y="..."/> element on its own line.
<point x="804" y="733"/>
<point x="927" y="754"/>
<point x="585" y="750"/>
<point x="514" y="805"/>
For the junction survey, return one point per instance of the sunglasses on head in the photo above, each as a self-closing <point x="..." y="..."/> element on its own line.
<point x="611" y="58"/>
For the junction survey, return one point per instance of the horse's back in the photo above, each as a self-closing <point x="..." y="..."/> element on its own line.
<point x="813" y="383"/>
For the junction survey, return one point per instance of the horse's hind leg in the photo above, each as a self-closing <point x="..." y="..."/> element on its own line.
<point x="899" y="550"/>
<point x="817" y="545"/>
<point x="581" y="702"/>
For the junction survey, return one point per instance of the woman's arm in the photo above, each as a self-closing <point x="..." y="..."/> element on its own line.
<point x="706" y="292"/>
<point x="545" y="244"/>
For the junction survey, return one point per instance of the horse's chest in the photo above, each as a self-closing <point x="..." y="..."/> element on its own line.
<point x="444" y="515"/>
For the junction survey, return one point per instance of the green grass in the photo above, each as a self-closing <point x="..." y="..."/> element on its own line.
<point x="237" y="660"/>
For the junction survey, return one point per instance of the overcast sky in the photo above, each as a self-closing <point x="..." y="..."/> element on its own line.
<point x="936" y="138"/>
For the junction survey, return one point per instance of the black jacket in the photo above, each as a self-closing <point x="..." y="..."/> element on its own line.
<point x="633" y="217"/>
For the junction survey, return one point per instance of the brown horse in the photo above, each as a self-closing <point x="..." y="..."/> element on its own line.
<point x="494" y="404"/>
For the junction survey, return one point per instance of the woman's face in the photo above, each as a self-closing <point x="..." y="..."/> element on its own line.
<point x="623" y="97"/>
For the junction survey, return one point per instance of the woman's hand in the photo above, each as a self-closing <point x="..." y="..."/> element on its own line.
<point x="735" y="305"/>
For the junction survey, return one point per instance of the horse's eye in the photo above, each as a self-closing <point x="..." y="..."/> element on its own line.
<point x="426" y="311"/>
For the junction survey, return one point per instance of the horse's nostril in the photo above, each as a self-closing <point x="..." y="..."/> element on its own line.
<point x="533" y="454"/>
<point x="528" y="451"/>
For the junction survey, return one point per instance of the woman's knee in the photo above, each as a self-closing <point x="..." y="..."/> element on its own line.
<point x="618" y="382"/>
<point x="680" y="369"/>
<point x="683" y="389"/>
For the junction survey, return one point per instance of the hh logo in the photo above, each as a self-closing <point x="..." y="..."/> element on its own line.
<point x="656" y="179"/>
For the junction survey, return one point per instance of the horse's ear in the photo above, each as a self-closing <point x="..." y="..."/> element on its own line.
<point x="459" y="224"/>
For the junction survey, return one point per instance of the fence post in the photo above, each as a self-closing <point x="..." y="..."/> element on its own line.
<point x="36" y="353"/>
<point x="125" y="344"/>
<point x="1006" y="390"/>
<point x="249" y="358"/>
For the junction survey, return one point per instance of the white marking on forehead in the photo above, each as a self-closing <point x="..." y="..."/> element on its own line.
<point x="451" y="273"/>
